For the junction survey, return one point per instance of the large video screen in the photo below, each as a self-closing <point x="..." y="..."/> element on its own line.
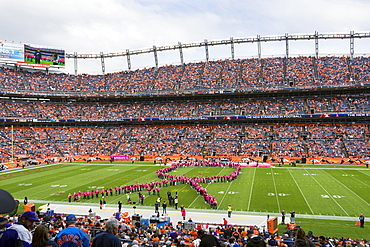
<point x="11" y="51"/>
<point x="31" y="55"/>
<point x="42" y="55"/>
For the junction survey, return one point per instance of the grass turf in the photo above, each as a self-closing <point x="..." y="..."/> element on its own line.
<point x="310" y="190"/>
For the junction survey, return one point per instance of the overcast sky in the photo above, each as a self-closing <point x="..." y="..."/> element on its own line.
<point x="94" y="26"/>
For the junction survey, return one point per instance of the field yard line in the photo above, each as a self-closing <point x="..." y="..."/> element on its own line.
<point x="205" y="188"/>
<point x="358" y="180"/>
<point x="187" y="185"/>
<point x="226" y="190"/>
<point x="4" y="172"/>
<point x="364" y="173"/>
<point x="348" y="189"/>
<point x="328" y="193"/>
<point x="225" y="193"/>
<point x="301" y="191"/>
<point x="276" y="194"/>
<point x="250" y="194"/>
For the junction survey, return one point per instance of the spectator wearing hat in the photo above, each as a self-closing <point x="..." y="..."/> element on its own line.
<point x="108" y="238"/>
<point x="256" y="241"/>
<point x="323" y="242"/>
<point x="71" y="235"/>
<point x="311" y="237"/>
<point x="7" y="237"/>
<point x="19" y="232"/>
<point x="207" y="240"/>
<point x="4" y="223"/>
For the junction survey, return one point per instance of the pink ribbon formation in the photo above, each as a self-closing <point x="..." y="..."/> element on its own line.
<point x="172" y="180"/>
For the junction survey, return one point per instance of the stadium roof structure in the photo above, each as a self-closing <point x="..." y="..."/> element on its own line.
<point x="232" y="41"/>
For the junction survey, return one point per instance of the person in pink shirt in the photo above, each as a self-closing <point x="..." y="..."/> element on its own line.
<point x="183" y="212"/>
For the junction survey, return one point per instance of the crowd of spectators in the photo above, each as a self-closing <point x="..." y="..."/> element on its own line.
<point x="313" y="140"/>
<point x="332" y="140"/>
<point x="150" y="109"/>
<point x="52" y="229"/>
<point x="236" y="74"/>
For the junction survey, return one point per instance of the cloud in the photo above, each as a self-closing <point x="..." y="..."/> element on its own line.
<point x="94" y="26"/>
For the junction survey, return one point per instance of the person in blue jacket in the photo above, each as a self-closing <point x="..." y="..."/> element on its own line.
<point x="19" y="232"/>
<point x="108" y="238"/>
<point x="37" y="55"/>
<point x="71" y="235"/>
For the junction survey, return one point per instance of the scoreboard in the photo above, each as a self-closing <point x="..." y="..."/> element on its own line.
<point x="29" y="55"/>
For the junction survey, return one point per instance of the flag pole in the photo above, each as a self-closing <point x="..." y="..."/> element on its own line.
<point x="12" y="143"/>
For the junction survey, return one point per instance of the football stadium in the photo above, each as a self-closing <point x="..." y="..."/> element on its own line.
<point x="264" y="145"/>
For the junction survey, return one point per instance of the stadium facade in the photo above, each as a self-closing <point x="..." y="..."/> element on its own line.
<point x="294" y="107"/>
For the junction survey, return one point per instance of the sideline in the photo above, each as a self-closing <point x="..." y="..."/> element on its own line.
<point x="27" y="168"/>
<point x="198" y="216"/>
<point x="208" y="213"/>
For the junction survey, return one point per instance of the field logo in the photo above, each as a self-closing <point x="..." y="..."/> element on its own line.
<point x="334" y="196"/>
<point x="57" y="185"/>
<point x="229" y="192"/>
<point x="280" y="194"/>
<point x="95" y="187"/>
<point x="24" y="184"/>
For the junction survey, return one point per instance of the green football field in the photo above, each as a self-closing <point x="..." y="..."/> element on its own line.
<point x="326" y="198"/>
<point x="309" y="190"/>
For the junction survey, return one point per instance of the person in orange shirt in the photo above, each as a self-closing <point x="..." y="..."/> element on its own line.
<point x="193" y="234"/>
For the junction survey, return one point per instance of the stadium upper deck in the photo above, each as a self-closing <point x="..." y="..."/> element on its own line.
<point x="240" y="75"/>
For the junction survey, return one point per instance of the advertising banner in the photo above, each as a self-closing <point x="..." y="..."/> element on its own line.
<point x="116" y="158"/>
<point x="33" y="65"/>
<point x="11" y="51"/>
